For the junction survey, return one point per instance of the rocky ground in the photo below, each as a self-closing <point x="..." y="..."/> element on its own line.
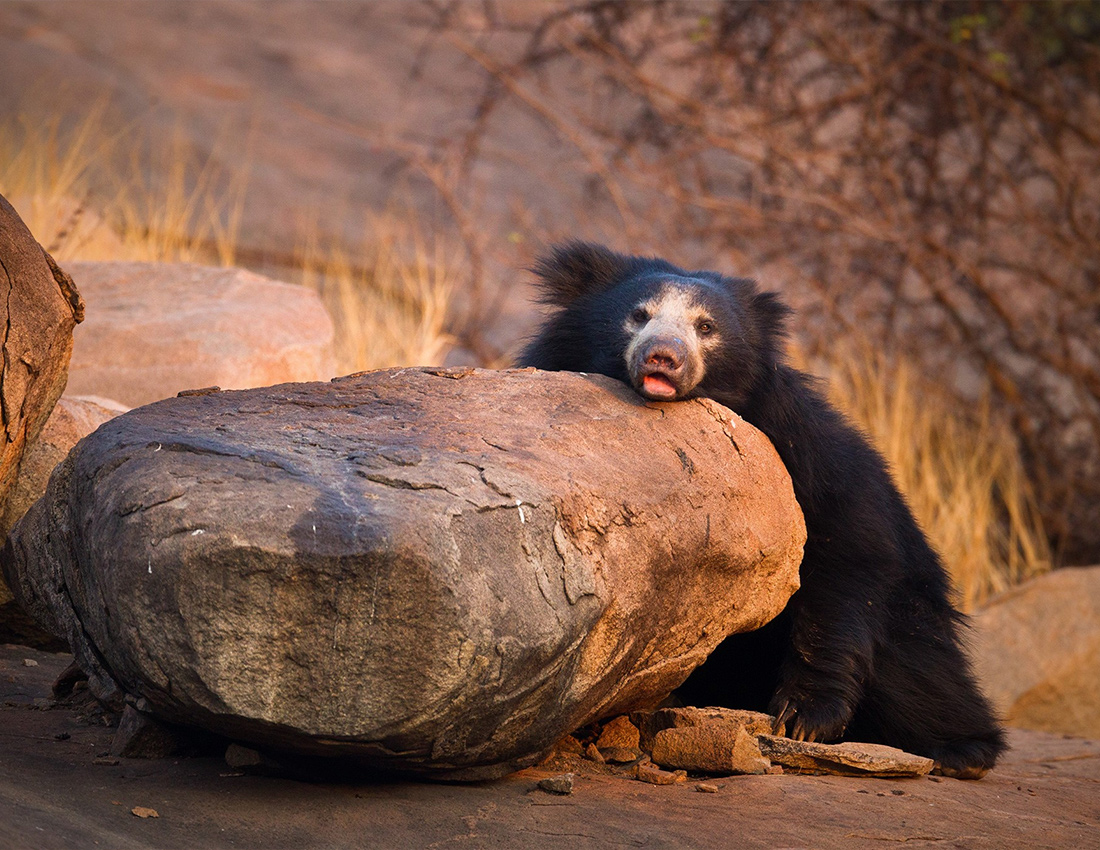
<point x="58" y="789"/>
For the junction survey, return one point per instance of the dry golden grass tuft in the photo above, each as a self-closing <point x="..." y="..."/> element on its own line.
<point x="961" y="474"/>
<point x="48" y="171"/>
<point x="390" y="307"/>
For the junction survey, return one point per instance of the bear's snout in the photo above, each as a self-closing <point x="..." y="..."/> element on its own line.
<point x="667" y="355"/>
<point x="659" y="369"/>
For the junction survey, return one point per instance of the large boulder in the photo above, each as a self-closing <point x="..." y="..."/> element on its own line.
<point x="431" y="570"/>
<point x="154" y="329"/>
<point x="1037" y="652"/>
<point x="39" y="307"/>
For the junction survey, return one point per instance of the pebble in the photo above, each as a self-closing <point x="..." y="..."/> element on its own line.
<point x="560" y="784"/>
<point x="620" y="755"/>
<point x="656" y="776"/>
<point x="706" y="787"/>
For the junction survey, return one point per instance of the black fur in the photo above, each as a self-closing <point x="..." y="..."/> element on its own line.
<point x="869" y="648"/>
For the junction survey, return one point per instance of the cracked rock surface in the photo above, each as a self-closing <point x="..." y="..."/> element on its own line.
<point x="437" y="571"/>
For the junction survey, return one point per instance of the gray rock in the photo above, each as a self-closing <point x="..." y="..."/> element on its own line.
<point x="428" y="571"/>
<point x="560" y="784"/>
<point x="140" y="736"/>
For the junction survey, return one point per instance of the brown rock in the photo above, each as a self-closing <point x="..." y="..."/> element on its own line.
<point x="39" y="308"/>
<point x="712" y="748"/>
<point x="620" y="755"/>
<point x="569" y="745"/>
<point x="847" y="759"/>
<point x="1036" y="651"/>
<point x="415" y="569"/>
<point x="656" y="776"/>
<point x="649" y="723"/>
<point x="73" y="417"/>
<point x="619" y="732"/>
<point x="154" y="329"/>
<point x="592" y="753"/>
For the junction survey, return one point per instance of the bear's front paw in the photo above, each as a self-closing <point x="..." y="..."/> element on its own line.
<point x="808" y="715"/>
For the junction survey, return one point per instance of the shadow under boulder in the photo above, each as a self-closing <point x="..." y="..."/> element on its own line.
<point x="434" y="571"/>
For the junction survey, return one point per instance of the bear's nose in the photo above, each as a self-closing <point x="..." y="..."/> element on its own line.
<point x="666" y="354"/>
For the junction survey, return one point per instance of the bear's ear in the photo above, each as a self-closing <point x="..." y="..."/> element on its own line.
<point x="771" y="313"/>
<point x="574" y="269"/>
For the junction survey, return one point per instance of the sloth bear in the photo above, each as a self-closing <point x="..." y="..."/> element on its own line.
<point x="869" y="646"/>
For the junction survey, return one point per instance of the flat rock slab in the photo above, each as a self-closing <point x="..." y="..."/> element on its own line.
<point x="440" y="571"/>
<point x="53" y="796"/>
<point x="847" y="759"/>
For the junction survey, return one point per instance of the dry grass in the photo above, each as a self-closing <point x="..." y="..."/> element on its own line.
<point x="48" y="172"/>
<point x="962" y="475"/>
<point x="390" y="307"/>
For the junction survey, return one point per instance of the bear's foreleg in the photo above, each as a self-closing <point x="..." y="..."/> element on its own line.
<point x="826" y="666"/>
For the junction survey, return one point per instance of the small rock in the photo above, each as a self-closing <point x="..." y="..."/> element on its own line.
<point x="107" y="760"/>
<point x="248" y="759"/>
<point x="848" y="759"/>
<point x="620" y="755"/>
<point x="706" y="787"/>
<point x="592" y="753"/>
<point x="649" y="723"/>
<point x="560" y="784"/>
<point x="713" y="748"/>
<point x="619" y="732"/>
<point x="656" y="776"/>
<point x="139" y="736"/>
<point x="143" y="812"/>
<point x="569" y="745"/>
<point x="29" y="662"/>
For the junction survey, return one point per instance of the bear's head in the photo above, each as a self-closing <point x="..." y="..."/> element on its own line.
<point x="670" y="333"/>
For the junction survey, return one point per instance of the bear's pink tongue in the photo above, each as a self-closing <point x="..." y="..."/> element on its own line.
<point x="658" y="386"/>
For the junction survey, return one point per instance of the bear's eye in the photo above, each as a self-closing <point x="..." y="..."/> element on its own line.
<point x="705" y="327"/>
<point x="640" y="316"/>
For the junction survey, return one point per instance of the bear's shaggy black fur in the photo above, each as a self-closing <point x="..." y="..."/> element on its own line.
<point x="869" y="647"/>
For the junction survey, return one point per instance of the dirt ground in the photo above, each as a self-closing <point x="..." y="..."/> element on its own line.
<point x="53" y="794"/>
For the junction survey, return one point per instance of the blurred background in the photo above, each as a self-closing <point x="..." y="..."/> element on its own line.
<point x="921" y="181"/>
